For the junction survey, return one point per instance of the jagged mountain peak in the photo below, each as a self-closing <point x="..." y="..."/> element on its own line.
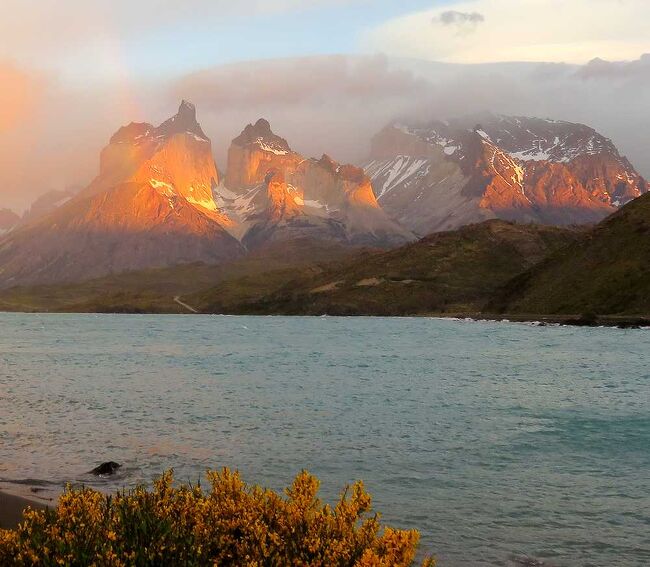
<point x="175" y="157"/>
<point x="150" y="206"/>
<point x="261" y="135"/>
<point x="183" y="121"/>
<point x="186" y="107"/>
<point x="263" y="125"/>
<point x="328" y="163"/>
<point x="274" y="193"/>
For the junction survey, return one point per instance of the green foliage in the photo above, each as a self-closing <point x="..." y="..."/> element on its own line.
<point x="231" y="524"/>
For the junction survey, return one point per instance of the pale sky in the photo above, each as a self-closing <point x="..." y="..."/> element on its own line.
<point x="88" y="39"/>
<point x="73" y="71"/>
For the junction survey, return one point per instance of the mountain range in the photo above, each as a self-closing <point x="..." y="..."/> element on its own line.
<point x="273" y="193"/>
<point x="159" y="200"/>
<point x="493" y="269"/>
<point x="443" y="175"/>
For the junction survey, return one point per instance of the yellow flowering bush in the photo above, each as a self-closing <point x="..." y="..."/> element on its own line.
<point x="232" y="523"/>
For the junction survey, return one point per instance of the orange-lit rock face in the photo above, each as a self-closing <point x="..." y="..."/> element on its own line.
<point x="444" y="175"/>
<point x="274" y="186"/>
<point x="258" y="152"/>
<point x="283" y="201"/>
<point x="150" y="206"/>
<point x="175" y="156"/>
<point x="334" y="185"/>
<point x="255" y="152"/>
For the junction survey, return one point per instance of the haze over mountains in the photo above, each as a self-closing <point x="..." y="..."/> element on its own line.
<point x="160" y="201"/>
<point x="321" y="104"/>
<point x="8" y="220"/>
<point x="154" y="204"/>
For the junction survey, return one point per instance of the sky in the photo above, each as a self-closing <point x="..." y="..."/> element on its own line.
<point x="327" y="73"/>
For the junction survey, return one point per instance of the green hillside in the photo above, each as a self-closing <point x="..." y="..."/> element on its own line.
<point x="153" y="291"/>
<point x="449" y="272"/>
<point x="606" y="272"/>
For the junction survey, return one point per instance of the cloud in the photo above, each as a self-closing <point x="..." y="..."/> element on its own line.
<point x="453" y="17"/>
<point x="518" y="30"/>
<point x="51" y="135"/>
<point x="327" y="104"/>
<point x="18" y="95"/>
<point x="297" y="80"/>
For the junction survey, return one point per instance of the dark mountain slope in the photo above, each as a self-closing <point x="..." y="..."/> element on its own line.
<point x="605" y="272"/>
<point x="445" y="272"/>
<point x="154" y="290"/>
<point x="127" y="228"/>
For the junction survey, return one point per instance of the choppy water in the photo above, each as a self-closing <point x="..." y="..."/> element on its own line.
<point x="493" y="439"/>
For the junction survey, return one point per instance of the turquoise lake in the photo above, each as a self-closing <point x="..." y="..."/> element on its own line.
<point x="495" y="440"/>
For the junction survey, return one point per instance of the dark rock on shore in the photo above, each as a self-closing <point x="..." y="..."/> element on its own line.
<point x="106" y="469"/>
<point x="527" y="561"/>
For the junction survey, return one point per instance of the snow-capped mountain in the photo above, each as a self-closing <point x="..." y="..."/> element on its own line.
<point x="150" y="206"/>
<point x="442" y="175"/>
<point x="273" y="193"/>
<point x="159" y="201"/>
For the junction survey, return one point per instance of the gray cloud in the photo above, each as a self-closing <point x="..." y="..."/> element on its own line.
<point x="329" y="104"/>
<point x="453" y="17"/>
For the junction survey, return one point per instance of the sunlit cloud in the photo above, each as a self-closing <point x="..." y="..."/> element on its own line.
<point x="573" y="31"/>
<point x="18" y="95"/>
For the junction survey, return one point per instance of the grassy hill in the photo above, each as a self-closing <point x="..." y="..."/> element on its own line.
<point x="449" y="272"/>
<point x="511" y="268"/>
<point x="153" y="291"/>
<point x="605" y="272"/>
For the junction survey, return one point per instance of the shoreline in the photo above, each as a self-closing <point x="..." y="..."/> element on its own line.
<point x="13" y="505"/>
<point x="614" y="321"/>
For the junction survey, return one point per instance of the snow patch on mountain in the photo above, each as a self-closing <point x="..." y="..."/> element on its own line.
<point x="276" y="149"/>
<point x="164" y="188"/>
<point x="395" y="173"/>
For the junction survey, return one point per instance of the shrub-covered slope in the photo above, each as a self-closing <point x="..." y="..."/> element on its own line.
<point x="446" y="272"/>
<point x="605" y="272"/>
